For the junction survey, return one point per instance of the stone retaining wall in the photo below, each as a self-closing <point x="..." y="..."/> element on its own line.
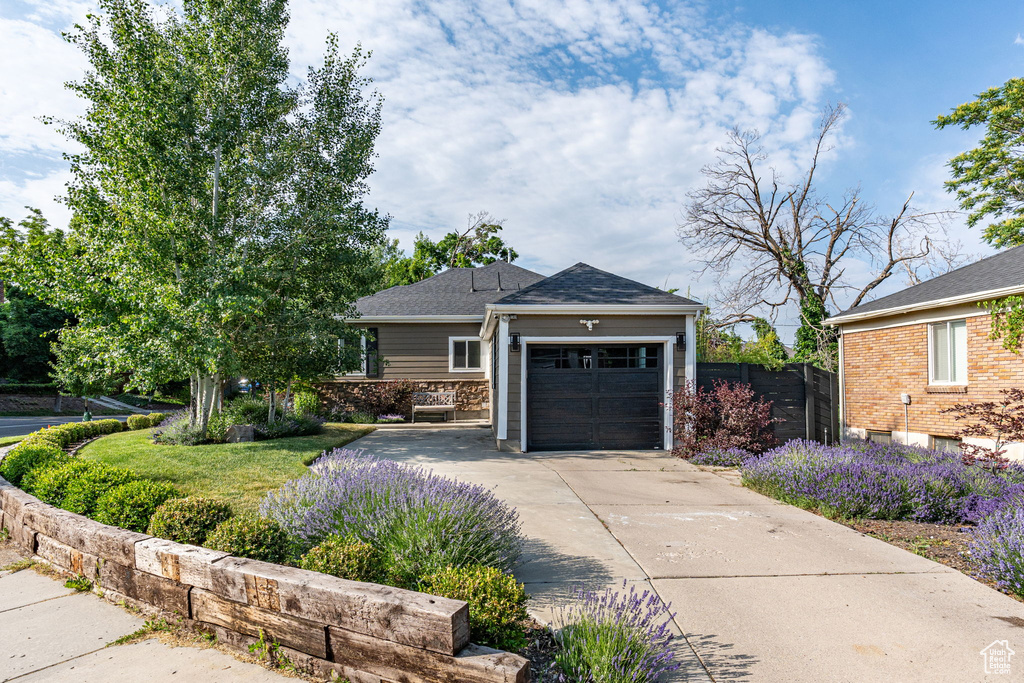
<point x="472" y="396"/>
<point x="323" y="625"/>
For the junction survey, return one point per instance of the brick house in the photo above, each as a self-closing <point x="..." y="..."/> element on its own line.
<point x="906" y="356"/>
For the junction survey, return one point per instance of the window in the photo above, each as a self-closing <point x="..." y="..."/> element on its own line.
<point x="944" y="443"/>
<point x="880" y="437"/>
<point x="561" y="357"/>
<point x="464" y="354"/>
<point x="948" y="352"/>
<point x="627" y="357"/>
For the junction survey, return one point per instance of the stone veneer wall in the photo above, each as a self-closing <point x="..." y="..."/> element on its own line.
<point x="472" y="396"/>
<point x="324" y="625"/>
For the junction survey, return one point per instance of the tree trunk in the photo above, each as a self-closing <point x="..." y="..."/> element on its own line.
<point x="58" y="403"/>
<point x="271" y="396"/>
<point x="287" y="397"/>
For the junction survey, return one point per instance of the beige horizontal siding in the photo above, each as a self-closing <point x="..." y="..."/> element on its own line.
<point x="420" y="350"/>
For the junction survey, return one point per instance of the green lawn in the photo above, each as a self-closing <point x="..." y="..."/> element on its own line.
<point x="237" y="473"/>
<point x="8" y="440"/>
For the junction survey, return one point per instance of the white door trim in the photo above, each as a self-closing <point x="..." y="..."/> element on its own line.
<point x="665" y="341"/>
<point x="503" y="378"/>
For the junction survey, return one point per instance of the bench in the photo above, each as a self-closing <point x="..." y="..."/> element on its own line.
<point x="433" y="402"/>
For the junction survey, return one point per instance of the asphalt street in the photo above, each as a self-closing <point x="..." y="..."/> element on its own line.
<point x="18" y="426"/>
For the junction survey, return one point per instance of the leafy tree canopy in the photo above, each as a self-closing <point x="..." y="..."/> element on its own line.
<point x="989" y="179"/>
<point x="478" y="245"/>
<point x="218" y="216"/>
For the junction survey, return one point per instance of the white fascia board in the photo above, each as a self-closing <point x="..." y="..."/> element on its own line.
<point x="416" y="319"/>
<point x="924" y="305"/>
<point x="606" y="309"/>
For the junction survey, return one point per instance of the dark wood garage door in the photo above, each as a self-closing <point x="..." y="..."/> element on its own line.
<point x="594" y="397"/>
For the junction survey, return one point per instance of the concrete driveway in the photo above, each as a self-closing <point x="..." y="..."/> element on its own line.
<point x="762" y="591"/>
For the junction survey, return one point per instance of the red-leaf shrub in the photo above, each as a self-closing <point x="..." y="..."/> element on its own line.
<point x="390" y="396"/>
<point x="1001" y="421"/>
<point x="727" y="416"/>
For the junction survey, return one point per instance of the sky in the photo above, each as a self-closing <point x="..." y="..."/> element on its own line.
<point x="585" y="123"/>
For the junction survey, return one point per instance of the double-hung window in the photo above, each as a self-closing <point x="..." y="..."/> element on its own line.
<point x="464" y="354"/>
<point x="948" y="352"/>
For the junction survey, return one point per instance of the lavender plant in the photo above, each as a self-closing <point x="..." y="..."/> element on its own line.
<point x="422" y="521"/>
<point x="879" y="481"/>
<point x="721" y="457"/>
<point x="997" y="547"/>
<point x="615" y="637"/>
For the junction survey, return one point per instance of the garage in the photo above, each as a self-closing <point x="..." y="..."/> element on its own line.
<point x="594" y="396"/>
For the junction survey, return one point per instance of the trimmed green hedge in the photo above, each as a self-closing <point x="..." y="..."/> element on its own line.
<point x="188" y="520"/>
<point x="24" y="457"/>
<point x="48" y="389"/>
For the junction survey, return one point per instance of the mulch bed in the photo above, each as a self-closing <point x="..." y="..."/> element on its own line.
<point x="541" y="653"/>
<point x="943" y="543"/>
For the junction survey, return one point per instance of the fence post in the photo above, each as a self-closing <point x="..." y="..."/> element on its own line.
<point x="809" y="416"/>
<point x="833" y="395"/>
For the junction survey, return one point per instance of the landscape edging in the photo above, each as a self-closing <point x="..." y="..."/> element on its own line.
<point x="366" y="632"/>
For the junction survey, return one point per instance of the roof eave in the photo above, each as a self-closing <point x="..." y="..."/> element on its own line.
<point x="924" y="305"/>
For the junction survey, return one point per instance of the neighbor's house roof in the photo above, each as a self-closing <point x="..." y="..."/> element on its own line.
<point x="455" y="292"/>
<point x="990" y="278"/>
<point x="587" y="286"/>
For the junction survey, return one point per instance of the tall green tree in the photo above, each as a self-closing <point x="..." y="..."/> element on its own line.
<point x="212" y="198"/>
<point x="989" y="179"/>
<point x="479" y="244"/>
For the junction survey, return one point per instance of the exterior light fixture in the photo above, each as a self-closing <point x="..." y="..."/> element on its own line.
<point x="513" y="341"/>
<point x="681" y="340"/>
<point x="590" y="324"/>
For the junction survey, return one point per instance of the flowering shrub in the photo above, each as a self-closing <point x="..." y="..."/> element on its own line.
<point x="997" y="548"/>
<point x="497" y="603"/>
<point x="176" y="430"/>
<point x="879" y="481"/>
<point x="615" y="637"/>
<point x="422" y="521"/>
<point x="386" y="419"/>
<point x="721" y="457"/>
<point x="726" y="417"/>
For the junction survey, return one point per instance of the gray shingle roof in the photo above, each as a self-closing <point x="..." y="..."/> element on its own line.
<point x="458" y="291"/>
<point x="1005" y="269"/>
<point x="583" y="284"/>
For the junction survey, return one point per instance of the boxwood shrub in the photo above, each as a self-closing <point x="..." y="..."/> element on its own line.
<point x="50" y="483"/>
<point x="497" y="603"/>
<point x="131" y="506"/>
<point x="24" y="457"/>
<point x="139" y="422"/>
<point x="348" y="558"/>
<point x="156" y="418"/>
<point x="252" y="536"/>
<point x="82" y="494"/>
<point x="188" y="520"/>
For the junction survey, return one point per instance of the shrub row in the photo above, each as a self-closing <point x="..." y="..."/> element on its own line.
<point x="45" y="389"/>
<point x="136" y="422"/>
<point x="46" y="445"/>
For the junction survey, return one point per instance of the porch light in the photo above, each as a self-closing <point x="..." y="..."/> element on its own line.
<point x="513" y="341"/>
<point x="681" y="340"/>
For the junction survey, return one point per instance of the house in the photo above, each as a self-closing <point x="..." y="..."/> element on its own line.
<point x="907" y="356"/>
<point x="583" y="359"/>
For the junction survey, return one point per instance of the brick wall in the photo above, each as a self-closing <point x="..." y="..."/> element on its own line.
<point x="879" y="365"/>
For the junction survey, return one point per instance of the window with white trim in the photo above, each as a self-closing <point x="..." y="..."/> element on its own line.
<point x="948" y="352"/>
<point x="464" y="354"/>
<point x="361" y="372"/>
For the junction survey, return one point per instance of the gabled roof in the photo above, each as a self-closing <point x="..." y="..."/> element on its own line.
<point x="455" y="292"/>
<point x="991" y="277"/>
<point x="585" y="285"/>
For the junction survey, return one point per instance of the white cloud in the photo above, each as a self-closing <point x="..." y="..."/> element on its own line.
<point x="582" y="122"/>
<point x="1019" y="40"/>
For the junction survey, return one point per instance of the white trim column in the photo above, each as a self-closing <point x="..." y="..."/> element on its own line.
<point x="691" y="348"/>
<point x="503" y="378"/>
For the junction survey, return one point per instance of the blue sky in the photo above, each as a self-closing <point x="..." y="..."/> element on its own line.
<point x="584" y="123"/>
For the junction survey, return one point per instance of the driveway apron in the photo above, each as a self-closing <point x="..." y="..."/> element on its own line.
<point x="762" y="591"/>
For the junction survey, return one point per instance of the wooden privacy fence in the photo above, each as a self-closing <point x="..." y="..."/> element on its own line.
<point x="805" y="397"/>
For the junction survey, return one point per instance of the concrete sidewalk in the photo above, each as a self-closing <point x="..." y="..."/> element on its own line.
<point x="51" y="633"/>
<point x="762" y="591"/>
